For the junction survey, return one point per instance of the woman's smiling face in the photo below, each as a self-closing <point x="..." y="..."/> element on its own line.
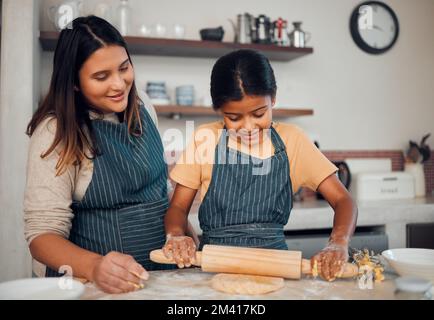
<point x="248" y="118"/>
<point x="106" y="78"/>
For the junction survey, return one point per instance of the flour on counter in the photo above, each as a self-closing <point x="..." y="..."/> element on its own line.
<point x="192" y="284"/>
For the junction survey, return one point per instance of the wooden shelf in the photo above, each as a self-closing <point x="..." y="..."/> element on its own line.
<point x="190" y="48"/>
<point x="170" y="110"/>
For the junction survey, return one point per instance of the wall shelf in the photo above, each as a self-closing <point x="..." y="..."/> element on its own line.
<point x="200" y="49"/>
<point x="190" y="48"/>
<point x="170" y="110"/>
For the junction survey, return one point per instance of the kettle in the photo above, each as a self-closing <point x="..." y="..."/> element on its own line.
<point x="298" y="37"/>
<point x="243" y="28"/>
<point x="280" y="34"/>
<point x="262" y="32"/>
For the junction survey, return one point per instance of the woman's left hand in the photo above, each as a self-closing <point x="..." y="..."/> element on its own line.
<point x="330" y="261"/>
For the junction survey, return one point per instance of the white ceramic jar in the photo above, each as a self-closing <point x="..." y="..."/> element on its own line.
<point x="416" y="169"/>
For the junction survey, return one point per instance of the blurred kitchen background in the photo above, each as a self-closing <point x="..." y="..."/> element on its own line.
<point x="361" y="109"/>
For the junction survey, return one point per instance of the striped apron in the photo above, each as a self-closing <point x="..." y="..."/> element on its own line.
<point x="124" y="205"/>
<point x="249" y="199"/>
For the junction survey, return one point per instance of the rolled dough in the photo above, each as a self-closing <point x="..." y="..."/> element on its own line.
<point x="245" y="284"/>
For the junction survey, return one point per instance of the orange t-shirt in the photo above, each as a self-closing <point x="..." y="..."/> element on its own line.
<point x="308" y="166"/>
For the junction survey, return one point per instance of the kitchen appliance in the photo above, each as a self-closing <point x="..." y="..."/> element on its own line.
<point x="243" y="28"/>
<point x="383" y="186"/>
<point x="254" y="261"/>
<point x="298" y="37"/>
<point x="262" y="32"/>
<point x="280" y="34"/>
<point x="373" y="179"/>
<point x="212" y="34"/>
<point x="420" y="235"/>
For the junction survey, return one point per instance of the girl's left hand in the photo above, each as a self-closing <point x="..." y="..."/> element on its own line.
<point x="331" y="260"/>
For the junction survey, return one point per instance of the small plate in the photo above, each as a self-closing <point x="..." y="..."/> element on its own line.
<point x="41" y="289"/>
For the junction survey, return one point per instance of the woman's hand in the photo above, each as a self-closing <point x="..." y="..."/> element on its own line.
<point x="118" y="273"/>
<point x="330" y="261"/>
<point x="182" y="249"/>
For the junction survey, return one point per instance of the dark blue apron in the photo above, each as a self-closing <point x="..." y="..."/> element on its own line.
<point x="249" y="200"/>
<point x="124" y="205"/>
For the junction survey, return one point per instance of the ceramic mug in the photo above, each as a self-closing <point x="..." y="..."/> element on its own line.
<point x="159" y="30"/>
<point x="178" y="31"/>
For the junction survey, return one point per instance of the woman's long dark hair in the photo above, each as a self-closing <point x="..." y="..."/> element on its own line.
<point x="67" y="105"/>
<point x="240" y="73"/>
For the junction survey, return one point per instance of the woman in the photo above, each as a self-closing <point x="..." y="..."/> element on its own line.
<point x="247" y="168"/>
<point x="96" y="187"/>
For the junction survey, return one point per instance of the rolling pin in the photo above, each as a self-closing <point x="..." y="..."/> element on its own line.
<point x="253" y="261"/>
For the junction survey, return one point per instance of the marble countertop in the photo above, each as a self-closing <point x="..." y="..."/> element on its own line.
<point x="193" y="284"/>
<point x="187" y="284"/>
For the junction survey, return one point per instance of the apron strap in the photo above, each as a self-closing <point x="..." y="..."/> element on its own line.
<point x="223" y="144"/>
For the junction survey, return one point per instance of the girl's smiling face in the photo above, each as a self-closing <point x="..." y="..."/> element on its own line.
<point x="106" y="78"/>
<point x="248" y="118"/>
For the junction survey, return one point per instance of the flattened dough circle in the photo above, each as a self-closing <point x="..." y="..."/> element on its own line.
<point x="245" y="284"/>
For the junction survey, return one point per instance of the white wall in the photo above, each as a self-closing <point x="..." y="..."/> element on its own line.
<point x="360" y="101"/>
<point x="19" y="71"/>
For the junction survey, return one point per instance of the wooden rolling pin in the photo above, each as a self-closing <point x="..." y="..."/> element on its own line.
<point x="263" y="262"/>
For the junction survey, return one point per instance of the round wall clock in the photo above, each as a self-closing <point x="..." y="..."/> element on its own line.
<point x="374" y="27"/>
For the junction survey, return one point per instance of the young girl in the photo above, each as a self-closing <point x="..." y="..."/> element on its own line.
<point x="247" y="168"/>
<point x="96" y="187"/>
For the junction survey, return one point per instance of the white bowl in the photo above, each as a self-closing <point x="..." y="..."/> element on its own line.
<point x="411" y="262"/>
<point x="41" y="289"/>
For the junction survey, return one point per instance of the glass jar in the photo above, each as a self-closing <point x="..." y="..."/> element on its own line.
<point x="123" y="18"/>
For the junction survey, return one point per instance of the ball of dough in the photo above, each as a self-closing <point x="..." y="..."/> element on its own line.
<point x="245" y="284"/>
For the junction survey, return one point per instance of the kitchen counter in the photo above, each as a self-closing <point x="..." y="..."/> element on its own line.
<point x="393" y="215"/>
<point x="193" y="284"/>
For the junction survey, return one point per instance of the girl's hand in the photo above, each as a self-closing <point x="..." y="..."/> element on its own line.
<point x="182" y="249"/>
<point x="118" y="273"/>
<point x="330" y="261"/>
